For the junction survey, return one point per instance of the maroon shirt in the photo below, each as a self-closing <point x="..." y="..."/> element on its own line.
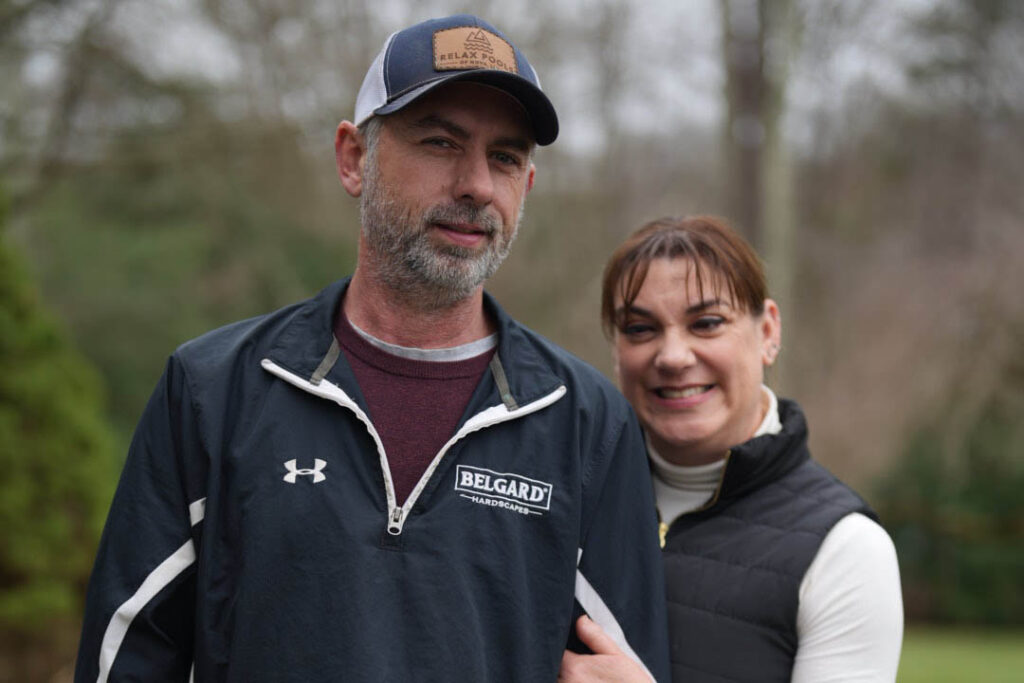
<point x="414" y="405"/>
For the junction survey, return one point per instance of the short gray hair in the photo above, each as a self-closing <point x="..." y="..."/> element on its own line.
<point x="370" y="132"/>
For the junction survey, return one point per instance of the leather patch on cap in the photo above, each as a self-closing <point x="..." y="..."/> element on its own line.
<point x="471" y="47"/>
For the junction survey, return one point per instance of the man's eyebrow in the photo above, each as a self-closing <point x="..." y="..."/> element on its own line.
<point x="517" y="143"/>
<point x="455" y="130"/>
<point x="435" y="121"/>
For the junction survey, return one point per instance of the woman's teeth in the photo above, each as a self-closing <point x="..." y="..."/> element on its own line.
<point x="683" y="393"/>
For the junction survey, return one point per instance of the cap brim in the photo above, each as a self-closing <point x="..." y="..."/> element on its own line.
<point x="537" y="105"/>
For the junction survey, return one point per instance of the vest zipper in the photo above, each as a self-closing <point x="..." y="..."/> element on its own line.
<point x="718" y="489"/>
<point x="664" y="526"/>
<point x="397" y="515"/>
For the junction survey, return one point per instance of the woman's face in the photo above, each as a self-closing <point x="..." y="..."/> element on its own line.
<point x="692" y="366"/>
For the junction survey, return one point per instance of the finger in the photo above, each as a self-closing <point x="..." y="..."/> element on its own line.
<point x="594" y="637"/>
<point x="568" y="661"/>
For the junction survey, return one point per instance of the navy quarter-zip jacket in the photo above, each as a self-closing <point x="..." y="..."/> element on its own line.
<point x="254" y="535"/>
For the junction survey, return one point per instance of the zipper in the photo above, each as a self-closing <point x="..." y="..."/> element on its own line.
<point x="718" y="489"/>
<point x="482" y="420"/>
<point x="396" y="521"/>
<point x="664" y="526"/>
<point x="333" y="392"/>
<point x="397" y="515"/>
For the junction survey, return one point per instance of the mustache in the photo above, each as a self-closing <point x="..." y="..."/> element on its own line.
<point x="464" y="213"/>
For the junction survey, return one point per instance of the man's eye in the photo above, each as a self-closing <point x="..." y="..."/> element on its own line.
<point x="438" y="142"/>
<point x="505" y="158"/>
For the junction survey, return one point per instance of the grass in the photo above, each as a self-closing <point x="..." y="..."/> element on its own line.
<point x="957" y="656"/>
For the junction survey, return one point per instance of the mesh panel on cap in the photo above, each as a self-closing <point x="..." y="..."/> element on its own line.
<point x="373" y="93"/>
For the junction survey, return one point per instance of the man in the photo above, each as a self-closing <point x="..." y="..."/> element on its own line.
<point x="393" y="480"/>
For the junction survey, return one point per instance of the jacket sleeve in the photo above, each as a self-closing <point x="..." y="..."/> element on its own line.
<point x="619" y="577"/>
<point x="139" y="609"/>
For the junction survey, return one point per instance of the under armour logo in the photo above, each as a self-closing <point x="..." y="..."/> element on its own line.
<point x="317" y="472"/>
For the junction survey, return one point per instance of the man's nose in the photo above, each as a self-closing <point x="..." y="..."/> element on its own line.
<point x="473" y="179"/>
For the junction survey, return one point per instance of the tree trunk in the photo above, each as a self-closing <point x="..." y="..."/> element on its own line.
<point x="759" y="39"/>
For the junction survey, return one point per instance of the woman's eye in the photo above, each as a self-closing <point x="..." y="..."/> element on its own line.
<point x="636" y="329"/>
<point x="708" y="323"/>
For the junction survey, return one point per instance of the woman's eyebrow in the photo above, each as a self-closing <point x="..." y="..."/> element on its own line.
<point x="695" y="308"/>
<point x="632" y="310"/>
<point x="703" y="305"/>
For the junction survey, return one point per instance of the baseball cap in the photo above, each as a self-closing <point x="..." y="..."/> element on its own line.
<point x="462" y="47"/>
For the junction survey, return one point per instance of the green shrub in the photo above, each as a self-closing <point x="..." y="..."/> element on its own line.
<point x="56" y="461"/>
<point x="956" y="514"/>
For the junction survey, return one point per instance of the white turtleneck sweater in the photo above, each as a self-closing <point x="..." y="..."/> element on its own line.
<point x="850" y="617"/>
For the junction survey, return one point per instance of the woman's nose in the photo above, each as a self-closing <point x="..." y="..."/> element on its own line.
<point x="675" y="353"/>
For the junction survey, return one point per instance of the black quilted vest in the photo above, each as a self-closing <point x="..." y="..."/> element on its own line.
<point x="733" y="568"/>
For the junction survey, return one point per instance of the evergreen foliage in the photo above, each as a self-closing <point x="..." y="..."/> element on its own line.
<point x="176" y="234"/>
<point x="55" y="456"/>
<point x="956" y="514"/>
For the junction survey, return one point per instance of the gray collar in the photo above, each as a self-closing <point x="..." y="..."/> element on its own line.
<point x="447" y="355"/>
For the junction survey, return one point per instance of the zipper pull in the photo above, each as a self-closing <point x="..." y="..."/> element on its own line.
<point x="395" y="524"/>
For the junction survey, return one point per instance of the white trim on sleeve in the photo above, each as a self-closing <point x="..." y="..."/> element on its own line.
<point x="595" y="607"/>
<point x="158" y="579"/>
<point x="196" y="511"/>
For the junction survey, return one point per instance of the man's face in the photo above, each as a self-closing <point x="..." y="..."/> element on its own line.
<point x="443" y="191"/>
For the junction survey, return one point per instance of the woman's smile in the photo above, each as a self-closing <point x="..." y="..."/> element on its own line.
<point x="690" y="361"/>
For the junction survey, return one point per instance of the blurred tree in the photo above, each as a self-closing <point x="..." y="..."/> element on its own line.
<point x="154" y="200"/>
<point x="959" y="525"/>
<point x="910" y="207"/>
<point x="760" y="40"/>
<point x="179" y="230"/>
<point x="58" y="474"/>
<point x="748" y="98"/>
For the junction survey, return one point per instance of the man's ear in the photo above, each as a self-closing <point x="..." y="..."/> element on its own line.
<point x="349" y="151"/>
<point x="529" y="178"/>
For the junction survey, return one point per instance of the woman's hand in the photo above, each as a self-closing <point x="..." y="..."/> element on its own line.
<point x="608" y="663"/>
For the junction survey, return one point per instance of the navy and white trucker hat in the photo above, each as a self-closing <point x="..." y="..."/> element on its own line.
<point x="417" y="59"/>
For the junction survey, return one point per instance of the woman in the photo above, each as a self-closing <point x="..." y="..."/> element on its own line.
<point x="775" y="570"/>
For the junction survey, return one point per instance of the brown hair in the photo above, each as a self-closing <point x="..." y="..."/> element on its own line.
<point x="710" y="244"/>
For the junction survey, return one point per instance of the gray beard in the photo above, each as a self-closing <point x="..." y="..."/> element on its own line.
<point x="428" y="275"/>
